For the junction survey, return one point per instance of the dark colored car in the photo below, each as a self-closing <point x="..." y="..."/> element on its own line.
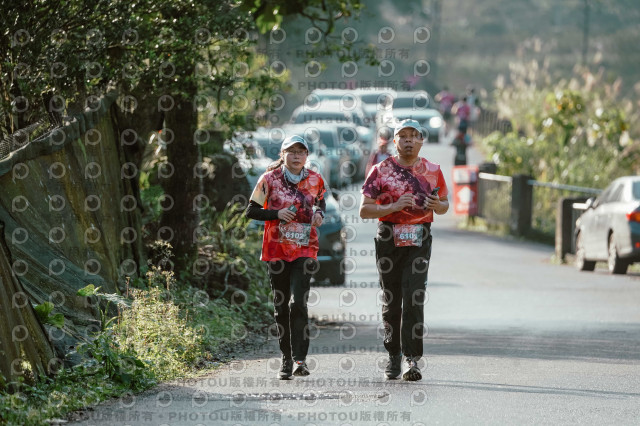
<point x="353" y="143"/>
<point x="609" y="229"/>
<point x="332" y="244"/>
<point x="416" y="100"/>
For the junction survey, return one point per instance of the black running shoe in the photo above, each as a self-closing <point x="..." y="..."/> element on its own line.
<point x="412" y="373"/>
<point x="286" y="369"/>
<point x="301" y="369"/>
<point x="394" y="366"/>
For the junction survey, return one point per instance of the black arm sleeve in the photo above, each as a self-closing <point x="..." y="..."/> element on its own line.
<point x="255" y="211"/>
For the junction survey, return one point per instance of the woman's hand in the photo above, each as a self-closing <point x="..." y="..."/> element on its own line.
<point x="317" y="219"/>
<point x="286" y="215"/>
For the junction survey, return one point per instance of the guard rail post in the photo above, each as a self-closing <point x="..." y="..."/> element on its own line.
<point x="565" y="226"/>
<point x="521" y="204"/>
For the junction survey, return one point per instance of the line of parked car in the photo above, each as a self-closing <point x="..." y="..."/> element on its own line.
<point x="341" y="127"/>
<point x="609" y="228"/>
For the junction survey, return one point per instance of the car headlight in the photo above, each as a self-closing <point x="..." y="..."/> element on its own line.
<point x="435" y="122"/>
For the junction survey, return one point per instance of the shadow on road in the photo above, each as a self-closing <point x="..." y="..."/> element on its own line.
<point x="584" y="345"/>
<point x="492" y="387"/>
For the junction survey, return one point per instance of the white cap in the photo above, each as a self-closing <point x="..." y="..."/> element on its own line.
<point x="408" y="123"/>
<point x="292" y="140"/>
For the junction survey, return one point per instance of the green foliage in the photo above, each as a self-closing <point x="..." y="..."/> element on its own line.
<point x="152" y="47"/>
<point x="120" y="365"/>
<point x="105" y="299"/>
<point x="44" y="310"/>
<point x="164" y="330"/>
<point x="578" y="131"/>
<point x="220" y="322"/>
<point x="268" y="15"/>
<point x="240" y="96"/>
<point x="88" y="291"/>
<point x="71" y="389"/>
<point x="232" y="249"/>
<point x="154" y="330"/>
<point x="151" y="197"/>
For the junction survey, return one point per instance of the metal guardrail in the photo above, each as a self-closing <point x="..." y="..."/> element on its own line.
<point x="573" y="188"/>
<point x="536" y="202"/>
<point x="494" y="198"/>
<point x="546" y="196"/>
<point x="497" y="178"/>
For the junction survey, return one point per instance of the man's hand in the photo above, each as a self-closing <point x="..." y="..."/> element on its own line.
<point x="405" y="200"/>
<point x="431" y="202"/>
<point x="439" y="206"/>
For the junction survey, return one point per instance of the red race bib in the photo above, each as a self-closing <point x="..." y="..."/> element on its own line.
<point x="407" y="235"/>
<point x="295" y="233"/>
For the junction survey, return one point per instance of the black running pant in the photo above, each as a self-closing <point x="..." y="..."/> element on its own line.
<point x="403" y="278"/>
<point x="290" y="289"/>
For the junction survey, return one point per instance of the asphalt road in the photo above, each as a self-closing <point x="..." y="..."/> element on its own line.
<point x="512" y="339"/>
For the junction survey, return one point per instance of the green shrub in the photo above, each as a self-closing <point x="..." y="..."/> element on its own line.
<point x="578" y="131"/>
<point x="164" y="329"/>
<point x="155" y="331"/>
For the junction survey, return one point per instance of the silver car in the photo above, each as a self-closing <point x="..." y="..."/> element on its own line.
<point x="609" y="229"/>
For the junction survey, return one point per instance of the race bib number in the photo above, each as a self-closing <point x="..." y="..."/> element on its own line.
<point x="407" y="235"/>
<point x="295" y="233"/>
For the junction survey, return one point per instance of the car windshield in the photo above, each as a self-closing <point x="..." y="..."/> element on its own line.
<point x="421" y="101"/>
<point x="315" y="136"/>
<point x="347" y="135"/>
<point x="270" y="148"/>
<point x="374" y="98"/>
<point x="321" y="116"/>
<point x="418" y="115"/>
<point x="327" y="139"/>
<point x="636" y="190"/>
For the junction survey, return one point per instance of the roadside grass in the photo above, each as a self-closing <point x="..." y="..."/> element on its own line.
<point x="478" y="224"/>
<point x="163" y="330"/>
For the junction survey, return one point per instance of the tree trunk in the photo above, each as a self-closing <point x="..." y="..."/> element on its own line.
<point x="181" y="184"/>
<point x="22" y="337"/>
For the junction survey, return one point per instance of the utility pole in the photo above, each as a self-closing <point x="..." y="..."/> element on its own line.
<point x="585" y="33"/>
<point x="435" y="39"/>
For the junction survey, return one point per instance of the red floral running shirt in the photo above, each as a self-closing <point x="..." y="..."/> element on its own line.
<point x="274" y="192"/>
<point x="388" y="180"/>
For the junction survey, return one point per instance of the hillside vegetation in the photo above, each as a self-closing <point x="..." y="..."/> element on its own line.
<point x="475" y="45"/>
